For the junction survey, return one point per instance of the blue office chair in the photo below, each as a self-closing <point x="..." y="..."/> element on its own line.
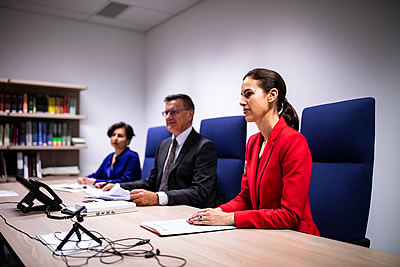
<point x="229" y="137"/>
<point x="341" y="139"/>
<point x="154" y="137"/>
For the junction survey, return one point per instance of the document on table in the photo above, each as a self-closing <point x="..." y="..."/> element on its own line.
<point x="69" y="187"/>
<point x="52" y="240"/>
<point x="180" y="227"/>
<point x="115" y="193"/>
<point x="8" y="193"/>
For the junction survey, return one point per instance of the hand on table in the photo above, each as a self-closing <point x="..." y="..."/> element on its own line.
<point x="212" y="217"/>
<point x="144" y="198"/>
<point x="85" y="180"/>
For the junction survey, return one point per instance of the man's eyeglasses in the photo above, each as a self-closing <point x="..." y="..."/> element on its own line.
<point x="172" y="112"/>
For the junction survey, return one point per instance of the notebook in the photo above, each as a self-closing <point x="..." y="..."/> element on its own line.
<point x="181" y="227"/>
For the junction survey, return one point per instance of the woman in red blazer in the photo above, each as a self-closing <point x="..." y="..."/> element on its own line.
<point x="275" y="183"/>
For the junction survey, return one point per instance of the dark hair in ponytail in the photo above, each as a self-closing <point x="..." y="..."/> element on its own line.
<point x="269" y="79"/>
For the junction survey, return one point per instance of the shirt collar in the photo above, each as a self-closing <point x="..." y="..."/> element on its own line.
<point x="181" y="138"/>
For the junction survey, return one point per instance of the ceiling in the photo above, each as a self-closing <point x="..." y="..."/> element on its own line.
<point x="134" y="15"/>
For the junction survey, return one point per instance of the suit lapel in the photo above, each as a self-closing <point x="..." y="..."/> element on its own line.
<point x="162" y="159"/>
<point x="263" y="164"/>
<point x="186" y="147"/>
<point x="251" y="169"/>
<point x="269" y="147"/>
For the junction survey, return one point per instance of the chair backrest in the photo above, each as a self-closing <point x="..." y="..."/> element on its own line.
<point x="154" y="137"/>
<point x="341" y="139"/>
<point x="229" y="137"/>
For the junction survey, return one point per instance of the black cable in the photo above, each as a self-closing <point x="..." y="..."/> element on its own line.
<point x="18" y="230"/>
<point x="114" y="250"/>
<point x="57" y="217"/>
<point x="9" y="202"/>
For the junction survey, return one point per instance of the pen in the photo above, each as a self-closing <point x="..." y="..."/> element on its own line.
<point x="103" y="185"/>
<point x="98" y="185"/>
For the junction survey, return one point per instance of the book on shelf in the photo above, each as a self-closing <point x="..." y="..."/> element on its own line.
<point x="22" y="134"/>
<point x="64" y="134"/>
<point x="6" y="134"/>
<point x="7" y="103"/>
<point x="1" y="102"/>
<point x="40" y="133"/>
<point x="25" y="103"/>
<point x="44" y="133"/>
<point x="20" y="164"/>
<point x="34" y="133"/>
<point x="30" y="103"/>
<point x="29" y="164"/>
<point x="20" y="104"/>
<point x="38" y="166"/>
<point x="33" y="166"/>
<point x="14" y="103"/>
<point x="57" y="105"/>
<point x="34" y="104"/>
<point x="72" y="106"/>
<point x="3" y="168"/>
<point x="26" y="166"/>
<point x="51" y="107"/>
<point x="50" y="134"/>
<point x="15" y="135"/>
<point x="28" y="133"/>
<point x="66" y="104"/>
<point x="1" y="134"/>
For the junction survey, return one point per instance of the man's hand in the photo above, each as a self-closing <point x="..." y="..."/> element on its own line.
<point x="144" y="198"/>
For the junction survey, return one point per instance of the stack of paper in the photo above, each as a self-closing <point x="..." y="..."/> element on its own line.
<point x="116" y="193"/>
<point x="70" y="187"/>
<point x="67" y="170"/>
<point x="106" y="207"/>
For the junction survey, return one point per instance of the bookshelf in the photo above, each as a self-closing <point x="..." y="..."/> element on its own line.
<point x="56" y="114"/>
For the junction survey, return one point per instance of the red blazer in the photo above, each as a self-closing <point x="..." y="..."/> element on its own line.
<point x="278" y="196"/>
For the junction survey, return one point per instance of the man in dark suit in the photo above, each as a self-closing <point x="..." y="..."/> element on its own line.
<point x="184" y="173"/>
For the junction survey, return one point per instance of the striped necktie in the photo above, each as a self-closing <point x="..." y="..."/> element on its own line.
<point x="168" y="167"/>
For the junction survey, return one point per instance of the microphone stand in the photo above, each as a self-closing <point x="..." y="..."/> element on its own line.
<point x="75" y="229"/>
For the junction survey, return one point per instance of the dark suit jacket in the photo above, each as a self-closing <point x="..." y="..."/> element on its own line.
<point x="193" y="178"/>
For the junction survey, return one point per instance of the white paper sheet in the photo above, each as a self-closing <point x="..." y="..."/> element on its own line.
<point x="52" y="240"/>
<point x="70" y="187"/>
<point x="8" y="193"/>
<point x="116" y="193"/>
<point x="180" y="226"/>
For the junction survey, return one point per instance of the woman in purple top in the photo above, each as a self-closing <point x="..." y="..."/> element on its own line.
<point x="120" y="166"/>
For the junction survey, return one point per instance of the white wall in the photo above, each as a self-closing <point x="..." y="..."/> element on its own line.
<point x="326" y="51"/>
<point x="108" y="60"/>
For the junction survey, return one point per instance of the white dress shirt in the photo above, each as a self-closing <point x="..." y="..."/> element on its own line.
<point x="180" y="139"/>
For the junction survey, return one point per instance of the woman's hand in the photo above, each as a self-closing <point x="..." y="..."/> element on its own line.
<point x="85" y="180"/>
<point x="212" y="217"/>
<point x="105" y="186"/>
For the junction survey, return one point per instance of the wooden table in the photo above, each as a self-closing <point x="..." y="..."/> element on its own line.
<point x="240" y="247"/>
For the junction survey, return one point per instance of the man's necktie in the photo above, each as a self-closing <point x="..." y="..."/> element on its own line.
<point x="168" y="167"/>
